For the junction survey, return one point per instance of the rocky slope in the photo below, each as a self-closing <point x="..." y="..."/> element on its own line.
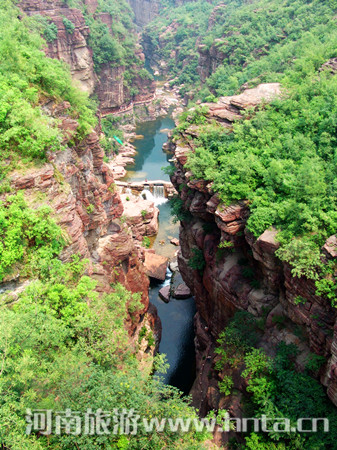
<point x="80" y="189"/>
<point x="245" y="274"/>
<point x="110" y="87"/>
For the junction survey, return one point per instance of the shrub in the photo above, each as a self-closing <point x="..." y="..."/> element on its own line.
<point x="146" y="242"/>
<point x="144" y="213"/>
<point x="68" y="25"/>
<point x="50" y="32"/>
<point x="27" y="236"/>
<point x="197" y="260"/>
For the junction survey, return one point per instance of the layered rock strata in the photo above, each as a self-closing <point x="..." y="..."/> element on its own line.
<point x="246" y="274"/>
<point x="80" y="189"/>
<point x="73" y="48"/>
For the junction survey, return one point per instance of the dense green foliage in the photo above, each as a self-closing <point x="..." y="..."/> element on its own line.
<point x="28" y="238"/>
<point x="63" y="344"/>
<point x="186" y="24"/>
<point x="113" y="45"/>
<point x="275" y="389"/>
<point x="251" y="41"/>
<point x="110" y="129"/>
<point x="29" y="80"/>
<point x="282" y="160"/>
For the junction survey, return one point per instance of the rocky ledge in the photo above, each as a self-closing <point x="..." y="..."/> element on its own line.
<point x="246" y="275"/>
<point x="79" y="188"/>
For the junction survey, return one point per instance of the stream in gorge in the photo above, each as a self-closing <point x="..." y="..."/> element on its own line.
<point x="177" y="315"/>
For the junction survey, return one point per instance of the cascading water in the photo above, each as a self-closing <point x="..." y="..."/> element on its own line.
<point x="158" y="191"/>
<point x="157" y="197"/>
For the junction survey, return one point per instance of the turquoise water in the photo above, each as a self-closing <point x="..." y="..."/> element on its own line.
<point x="177" y="340"/>
<point x="176" y="316"/>
<point x="150" y="158"/>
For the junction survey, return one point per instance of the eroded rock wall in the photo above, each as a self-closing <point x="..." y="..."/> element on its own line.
<point x="109" y="85"/>
<point x="69" y="47"/>
<point x="246" y="274"/>
<point x="145" y="10"/>
<point x="80" y="189"/>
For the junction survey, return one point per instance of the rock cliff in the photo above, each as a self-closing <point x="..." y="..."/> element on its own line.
<point x="80" y="189"/>
<point x="69" y="47"/>
<point x="112" y="91"/>
<point x="145" y="10"/>
<point x="244" y="274"/>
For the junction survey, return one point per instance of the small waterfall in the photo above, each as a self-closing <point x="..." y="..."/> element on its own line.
<point x="157" y="197"/>
<point x="128" y="191"/>
<point x="158" y="191"/>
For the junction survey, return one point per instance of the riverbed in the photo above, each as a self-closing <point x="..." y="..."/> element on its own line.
<point x="176" y="316"/>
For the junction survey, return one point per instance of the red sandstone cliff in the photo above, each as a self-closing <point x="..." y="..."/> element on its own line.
<point x="80" y="189"/>
<point x="226" y="286"/>
<point x="73" y="48"/>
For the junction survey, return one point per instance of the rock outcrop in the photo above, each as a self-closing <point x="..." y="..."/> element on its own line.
<point x="145" y="10"/>
<point x="80" y="189"/>
<point x="69" y="47"/>
<point x="112" y="91"/>
<point x="245" y="274"/>
<point x="155" y="265"/>
<point x="140" y="215"/>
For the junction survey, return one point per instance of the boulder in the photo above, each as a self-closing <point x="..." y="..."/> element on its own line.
<point x="182" y="292"/>
<point x="141" y="215"/>
<point x="174" y="266"/>
<point x="175" y="241"/>
<point x="164" y="293"/>
<point x="330" y="247"/>
<point x="155" y="266"/>
<point x="118" y="171"/>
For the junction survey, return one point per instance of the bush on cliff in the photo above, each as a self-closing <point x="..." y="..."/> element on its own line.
<point x="274" y="388"/>
<point x="28" y="81"/>
<point x="283" y="161"/>
<point x="27" y="237"/>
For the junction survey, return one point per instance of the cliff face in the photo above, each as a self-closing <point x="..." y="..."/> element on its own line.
<point x="212" y="57"/>
<point x="69" y="47"/>
<point x="73" y="48"/>
<point x="145" y="10"/>
<point x="245" y="275"/>
<point x="114" y="94"/>
<point x="80" y="189"/>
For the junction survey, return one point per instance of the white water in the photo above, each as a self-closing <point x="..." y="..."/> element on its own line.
<point x="157" y="197"/>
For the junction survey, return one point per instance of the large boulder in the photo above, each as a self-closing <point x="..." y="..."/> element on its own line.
<point x="164" y="293"/>
<point x="155" y="266"/>
<point x="182" y="292"/>
<point x="141" y="215"/>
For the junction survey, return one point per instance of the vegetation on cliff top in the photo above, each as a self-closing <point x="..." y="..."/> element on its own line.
<point x="63" y="345"/>
<point x="283" y="161"/>
<point x="29" y="81"/>
<point x="240" y="41"/>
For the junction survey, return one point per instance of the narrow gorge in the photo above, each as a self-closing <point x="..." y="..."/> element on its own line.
<point x="168" y="217"/>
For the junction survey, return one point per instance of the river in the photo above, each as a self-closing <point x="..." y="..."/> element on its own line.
<point x="177" y="315"/>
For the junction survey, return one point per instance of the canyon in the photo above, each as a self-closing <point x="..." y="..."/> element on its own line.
<point x="101" y="209"/>
<point x="225" y="283"/>
<point x="73" y="48"/>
